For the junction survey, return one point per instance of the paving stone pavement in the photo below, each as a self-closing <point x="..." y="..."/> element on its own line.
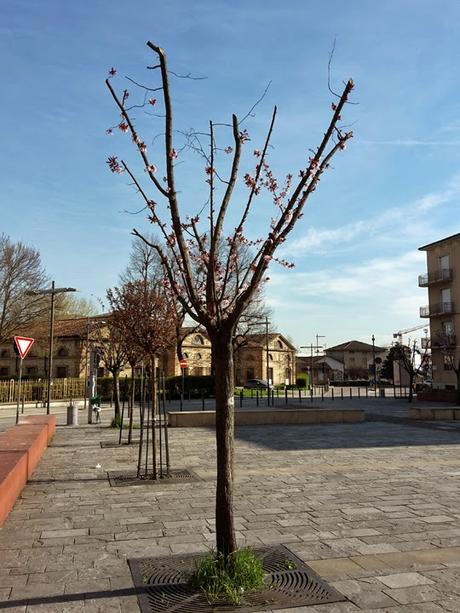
<point x="373" y="507"/>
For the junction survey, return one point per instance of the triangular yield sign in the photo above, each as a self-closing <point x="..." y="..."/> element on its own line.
<point x="23" y="344"/>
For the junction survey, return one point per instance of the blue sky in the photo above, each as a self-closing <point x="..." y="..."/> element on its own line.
<point x="395" y="188"/>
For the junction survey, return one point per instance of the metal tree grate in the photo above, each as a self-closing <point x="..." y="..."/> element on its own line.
<point x="289" y="582"/>
<point x="126" y="478"/>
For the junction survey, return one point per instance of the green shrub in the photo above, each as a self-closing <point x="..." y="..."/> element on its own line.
<point x="302" y="380"/>
<point x="228" y="579"/>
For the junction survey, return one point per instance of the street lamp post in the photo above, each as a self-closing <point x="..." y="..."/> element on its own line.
<point x="374" y="366"/>
<point x="51" y="292"/>
<point x="311" y="347"/>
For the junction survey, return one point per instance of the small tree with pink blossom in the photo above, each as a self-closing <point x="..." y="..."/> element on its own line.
<point x="200" y="253"/>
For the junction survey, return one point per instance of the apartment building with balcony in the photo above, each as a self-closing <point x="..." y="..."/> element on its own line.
<point x="442" y="280"/>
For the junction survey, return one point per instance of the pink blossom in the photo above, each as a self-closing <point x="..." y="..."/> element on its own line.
<point x="125" y="95"/>
<point x="228" y="149"/>
<point x="173" y="154"/>
<point x="114" y="166"/>
<point x="112" y="72"/>
<point x="123" y="126"/>
<point x="109" y="131"/>
<point x="142" y="147"/>
<point x="249" y="180"/>
<point x="151" y="168"/>
<point x="253" y="267"/>
<point x="333" y="106"/>
<point x="152" y="101"/>
<point x="267" y="258"/>
<point x="257" y="153"/>
<point x="243" y="136"/>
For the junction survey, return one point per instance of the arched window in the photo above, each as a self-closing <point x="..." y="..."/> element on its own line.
<point x="279" y="344"/>
<point x="186" y="355"/>
<point x="63" y="352"/>
<point x="198" y="356"/>
<point x="270" y="356"/>
<point x="198" y="340"/>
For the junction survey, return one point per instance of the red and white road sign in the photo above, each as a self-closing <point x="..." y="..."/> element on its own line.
<point x="183" y="363"/>
<point x="23" y="344"/>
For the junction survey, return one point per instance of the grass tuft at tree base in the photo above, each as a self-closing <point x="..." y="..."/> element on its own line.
<point x="228" y="579"/>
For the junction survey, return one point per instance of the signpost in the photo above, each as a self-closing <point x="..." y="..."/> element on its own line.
<point x="183" y="365"/>
<point x="23" y="345"/>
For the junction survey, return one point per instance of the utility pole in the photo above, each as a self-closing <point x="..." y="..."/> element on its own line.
<point x="53" y="291"/>
<point x="268" y="360"/>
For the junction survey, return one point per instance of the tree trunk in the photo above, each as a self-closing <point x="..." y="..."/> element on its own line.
<point x="458" y="385"/>
<point x="153" y="388"/>
<point x="411" y="387"/>
<point x="116" y="394"/>
<point x="131" y="406"/>
<point x="222" y="353"/>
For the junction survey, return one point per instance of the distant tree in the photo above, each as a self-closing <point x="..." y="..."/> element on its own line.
<point x="386" y="372"/>
<point x="412" y="360"/>
<point x="69" y="306"/>
<point x="200" y="253"/>
<point x="21" y="270"/>
<point x="112" y="350"/>
<point x="143" y="265"/>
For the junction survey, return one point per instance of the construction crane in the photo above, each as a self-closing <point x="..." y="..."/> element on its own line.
<point x="400" y="333"/>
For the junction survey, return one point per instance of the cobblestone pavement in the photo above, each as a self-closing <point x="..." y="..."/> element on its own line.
<point x="373" y="507"/>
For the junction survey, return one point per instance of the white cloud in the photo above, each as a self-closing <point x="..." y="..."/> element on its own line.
<point x="321" y="240"/>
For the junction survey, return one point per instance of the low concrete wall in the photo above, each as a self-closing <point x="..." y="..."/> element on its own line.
<point x="190" y="419"/>
<point x="21" y="448"/>
<point x="427" y="414"/>
<point x="438" y="396"/>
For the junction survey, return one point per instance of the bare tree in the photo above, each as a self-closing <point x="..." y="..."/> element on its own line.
<point x="199" y="253"/>
<point x="412" y="360"/>
<point x="112" y="350"/>
<point x="143" y="265"/>
<point x="21" y="270"/>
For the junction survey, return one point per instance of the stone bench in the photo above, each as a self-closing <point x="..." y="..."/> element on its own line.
<point x="21" y="448"/>
<point x="190" y="419"/>
<point x="430" y="414"/>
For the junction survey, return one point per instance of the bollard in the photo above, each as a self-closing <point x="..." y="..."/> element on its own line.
<point x="241" y="399"/>
<point x="300" y="395"/>
<point x="285" y="395"/>
<point x="72" y="414"/>
<point x="351" y="395"/>
<point x="341" y="393"/>
<point x="202" y="400"/>
<point x="322" y="394"/>
<point x="367" y="391"/>
<point x="257" y="398"/>
<point x="359" y="392"/>
<point x="332" y="390"/>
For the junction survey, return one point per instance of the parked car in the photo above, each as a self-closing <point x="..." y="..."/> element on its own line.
<point x="256" y="384"/>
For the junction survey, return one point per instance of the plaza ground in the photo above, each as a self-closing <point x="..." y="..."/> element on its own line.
<point x="373" y="507"/>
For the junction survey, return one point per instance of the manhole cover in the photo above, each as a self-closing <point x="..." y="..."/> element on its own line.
<point x="289" y="582"/>
<point x="125" y="478"/>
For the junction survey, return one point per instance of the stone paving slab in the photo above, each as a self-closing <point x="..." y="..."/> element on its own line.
<point x="372" y="507"/>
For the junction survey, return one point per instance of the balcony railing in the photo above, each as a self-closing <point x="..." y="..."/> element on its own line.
<point x="435" y="276"/>
<point x="449" y="340"/>
<point x="442" y="308"/>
